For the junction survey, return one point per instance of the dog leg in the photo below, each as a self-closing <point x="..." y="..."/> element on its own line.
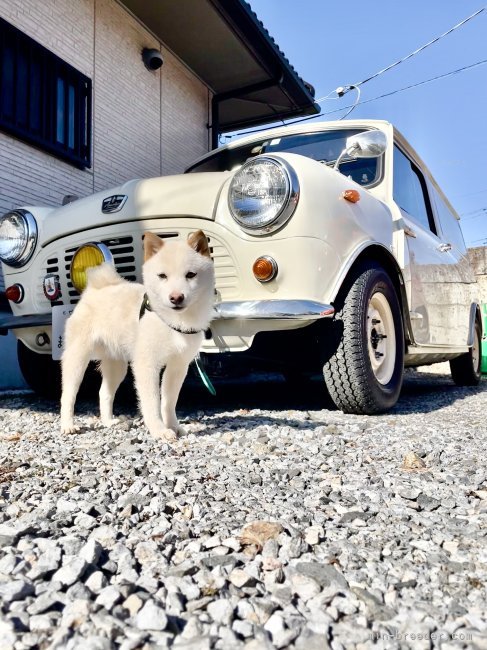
<point x="113" y="372"/>
<point x="74" y="363"/>
<point x="172" y="381"/>
<point x="147" y="384"/>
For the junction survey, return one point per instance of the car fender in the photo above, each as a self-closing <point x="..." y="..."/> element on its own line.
<point x="378" y="252"/>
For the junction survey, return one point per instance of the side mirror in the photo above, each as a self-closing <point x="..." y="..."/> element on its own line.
<point x="368" y="144"/>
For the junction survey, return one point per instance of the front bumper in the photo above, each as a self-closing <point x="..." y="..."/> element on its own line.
<point x="273" y="309"/>
<point x="10" y="322"/>
<point x="300" y="310"/>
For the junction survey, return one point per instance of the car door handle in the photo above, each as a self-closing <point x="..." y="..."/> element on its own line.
<point x="444" y="248"/>
<point x="409" y="231"/>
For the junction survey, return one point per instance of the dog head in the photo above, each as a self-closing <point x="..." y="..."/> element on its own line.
<point x="178" y="275"/>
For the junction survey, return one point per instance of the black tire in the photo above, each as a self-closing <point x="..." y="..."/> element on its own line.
<point x="43" y="374"/>
<point x="465" y="369"/>
<point x="365" y="368"/>
<point x="40" y="371"/>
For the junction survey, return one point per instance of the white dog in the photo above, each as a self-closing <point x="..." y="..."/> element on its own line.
<point x="154" y="325"/>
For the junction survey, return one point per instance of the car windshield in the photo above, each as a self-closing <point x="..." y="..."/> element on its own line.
<point x="323" y="146"/>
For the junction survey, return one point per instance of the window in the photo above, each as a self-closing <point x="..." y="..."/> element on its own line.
<point x="324" y="146"/>
<point x="43" y="100"/>
<point x="450" y="226"/>
<point x="410" y="192"/>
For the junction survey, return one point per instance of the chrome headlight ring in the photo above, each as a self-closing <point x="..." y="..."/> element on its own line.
<point x="263" y="195"/>
<point x="16" y="248"/>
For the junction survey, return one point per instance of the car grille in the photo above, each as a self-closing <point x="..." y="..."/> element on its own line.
<point x="128" y="264"/>
<point x="122" y="250"/>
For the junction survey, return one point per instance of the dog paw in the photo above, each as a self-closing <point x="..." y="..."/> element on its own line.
<point x="164" y="434"/>
<point x="69" y="429"/>
<point x="111" y="422"/>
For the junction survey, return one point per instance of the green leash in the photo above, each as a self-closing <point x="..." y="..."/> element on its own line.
<point x="204" y="377"/>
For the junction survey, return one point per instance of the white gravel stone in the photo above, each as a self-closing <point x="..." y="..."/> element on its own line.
<point x="133" y="603"/>
<point x="151" y="617"/>
<point x="108" y="597"/>
<point x="15" y="590"/>
<point x="70" y="572"/>
<point x="221" y="611"/>
<point x="7" y="635"/>
<point x="241" y="578"/>
<point x="91" y="551"/>
<point x="96" y="582"/>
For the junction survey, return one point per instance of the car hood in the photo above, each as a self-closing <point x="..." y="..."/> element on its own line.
<point x="184" y="195"/>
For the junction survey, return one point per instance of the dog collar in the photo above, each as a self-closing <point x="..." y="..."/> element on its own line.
<point x="146" y="306"/>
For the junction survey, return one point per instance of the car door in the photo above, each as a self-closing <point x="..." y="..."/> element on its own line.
<point x="430" y="269"/>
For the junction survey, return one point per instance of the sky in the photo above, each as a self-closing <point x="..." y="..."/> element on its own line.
<point x="332" y="44"/>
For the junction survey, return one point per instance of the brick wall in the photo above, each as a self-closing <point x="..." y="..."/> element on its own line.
<point x="144" y="123"/>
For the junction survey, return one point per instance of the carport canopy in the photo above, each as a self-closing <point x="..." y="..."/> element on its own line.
<point x="228" y="48"/>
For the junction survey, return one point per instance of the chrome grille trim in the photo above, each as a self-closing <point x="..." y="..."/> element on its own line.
<point x="127" y="251"/>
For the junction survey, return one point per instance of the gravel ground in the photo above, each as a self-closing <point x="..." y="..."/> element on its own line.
<point x="275" y="523"/>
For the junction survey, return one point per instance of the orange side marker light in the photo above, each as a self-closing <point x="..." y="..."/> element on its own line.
<point x="351" y="195"/>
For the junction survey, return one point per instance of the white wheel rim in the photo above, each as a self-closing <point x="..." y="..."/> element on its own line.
<point x="381" y="338"/>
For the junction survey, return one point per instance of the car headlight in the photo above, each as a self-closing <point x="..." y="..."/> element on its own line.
<point x="263" y="194"/>
<point x="18" y="237"/>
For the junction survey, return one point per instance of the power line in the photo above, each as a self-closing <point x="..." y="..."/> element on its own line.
<point x="462" y="196"/>
<point x="373" y="99"/>
<point x="475" y="214"/>
<point x="423" y="47"/>
<point x="420" y="83"/>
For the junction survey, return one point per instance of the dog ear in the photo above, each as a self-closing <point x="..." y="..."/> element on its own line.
<point x="152" y="244"/>
<point x="199" y="242"/>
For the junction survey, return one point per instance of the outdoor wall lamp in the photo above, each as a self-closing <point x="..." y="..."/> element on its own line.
<point x="152" y="59"/>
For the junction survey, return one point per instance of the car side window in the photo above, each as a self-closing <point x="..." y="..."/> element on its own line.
<point x="450" y="226"/>
<point x="409" y="191"/>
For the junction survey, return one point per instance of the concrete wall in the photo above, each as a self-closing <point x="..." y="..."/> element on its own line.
<point x="144" y="123"/>
<point x="478" y="259"/>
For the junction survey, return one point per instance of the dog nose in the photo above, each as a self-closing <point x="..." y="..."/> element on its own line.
<point x="176" y="298"/>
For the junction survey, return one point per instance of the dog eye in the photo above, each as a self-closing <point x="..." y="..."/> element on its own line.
<point x="190" y="275"/>
<point x="163" y="276"/>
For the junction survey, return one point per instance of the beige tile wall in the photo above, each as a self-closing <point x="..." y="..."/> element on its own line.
<point x="144" y="123"/>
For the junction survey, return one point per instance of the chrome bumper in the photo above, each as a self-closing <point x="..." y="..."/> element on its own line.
<point x="239" y="310"/>
<point x="273" y="309"/>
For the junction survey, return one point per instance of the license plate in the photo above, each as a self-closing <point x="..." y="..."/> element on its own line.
<point x="60" y="314"/>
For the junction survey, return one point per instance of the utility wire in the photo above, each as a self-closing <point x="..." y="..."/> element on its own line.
<point x="373" y="99"/>
<point x="400" y="90"/>
<point x="423" y="47"/>
<point x="475" y="214"/>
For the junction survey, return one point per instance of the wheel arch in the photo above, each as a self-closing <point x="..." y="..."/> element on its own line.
<point x="379" y="254"/>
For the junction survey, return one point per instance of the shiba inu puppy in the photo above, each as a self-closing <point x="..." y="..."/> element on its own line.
<point x="154" y="325"/>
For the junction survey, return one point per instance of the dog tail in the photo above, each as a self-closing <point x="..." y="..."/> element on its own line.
<point x="103" y="276"/>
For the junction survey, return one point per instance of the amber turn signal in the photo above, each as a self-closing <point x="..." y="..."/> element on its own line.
<point x="15" y="293"/>
<point x="351" y="195"/>
<point x="265" y="268"/>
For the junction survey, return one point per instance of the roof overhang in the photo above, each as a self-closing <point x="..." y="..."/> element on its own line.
<point x="228" y="48"/>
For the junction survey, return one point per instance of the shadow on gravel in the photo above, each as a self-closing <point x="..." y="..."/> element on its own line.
<point x="422" y="392"/>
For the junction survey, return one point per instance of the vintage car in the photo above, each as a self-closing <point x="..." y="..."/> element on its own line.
<point x="335" y="252"/>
